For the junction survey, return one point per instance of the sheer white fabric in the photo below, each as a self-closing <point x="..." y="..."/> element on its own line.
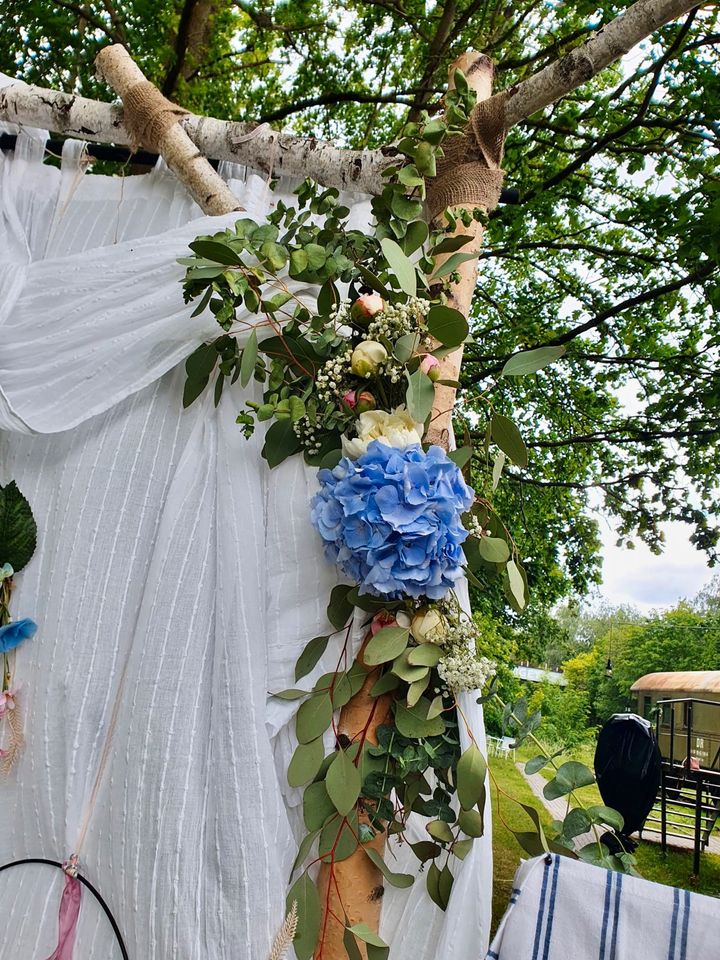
<point x="175" y="576"/>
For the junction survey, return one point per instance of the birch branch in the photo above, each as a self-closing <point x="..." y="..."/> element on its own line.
<point x="156" y="118"/>
<point x="611" y="42"/>
<point x="268" y="152"/>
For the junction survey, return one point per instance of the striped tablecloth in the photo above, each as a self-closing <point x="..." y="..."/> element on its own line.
<point x="563" y="909"/>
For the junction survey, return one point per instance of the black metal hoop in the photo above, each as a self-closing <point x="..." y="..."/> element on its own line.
<point x="85" y="883"/>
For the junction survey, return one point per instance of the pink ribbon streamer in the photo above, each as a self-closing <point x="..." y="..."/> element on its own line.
<point x="67" y="920"/>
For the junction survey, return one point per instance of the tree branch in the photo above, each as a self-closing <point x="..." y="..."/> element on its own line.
<point x="326" y="99"/>
<point x="577" y="67"/>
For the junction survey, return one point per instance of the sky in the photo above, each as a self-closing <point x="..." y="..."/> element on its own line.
<point x="651" y="582"/>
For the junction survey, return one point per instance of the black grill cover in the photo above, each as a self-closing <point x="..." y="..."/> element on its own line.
<point x="627" y="767"/>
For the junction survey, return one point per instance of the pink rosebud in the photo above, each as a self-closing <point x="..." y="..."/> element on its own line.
<point x="430" y="365"/>
<point x="365" y="402"/>
<point x="366" y="306"/>
<point x="381" y="620"/>
<point x="350" y="398"/>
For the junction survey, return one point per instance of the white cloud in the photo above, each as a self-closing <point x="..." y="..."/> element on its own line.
<point x="650" y="582"/>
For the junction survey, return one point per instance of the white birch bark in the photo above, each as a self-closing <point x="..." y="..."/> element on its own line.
<point x="277" y="154"/>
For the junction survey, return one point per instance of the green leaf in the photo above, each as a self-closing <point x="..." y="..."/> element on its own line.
<point x="363" y="932"/>
<point x="298" y="262"/>
<point x="310" y="656"/>
<point x="401" y="267"/>
<point x="316" y="255"/>
<point x="404" y="669"/>
<point x="575" y="823"/>
<point x="470" y="776"/>
<point x="387" y="644"/>
<point x="414" y="722"/>
<point x="426" y="850"/>
<point x="507" y="436"/>
<point x="313" y="718"/>
<point x="18" y="530"/>
<point x="571" y="776"/>
<point x="432" y="883"/>
<point x="216" y="251"/>
<point x="350" y="944"/>
<point x="461" y="848"/>
<point x="471" y="822"/>
<point x="317" y="805"/>
<point x="420" y="395"/>
<point x="447" y="325"/>
<point x="440" y="831"/>
<point x="338" y="839"/>
<point x="426" y="655"/>
<point x="452" y="263"/>
<point x="497" y="470"/>
<point x="303" y="850"/>
<point x="339" y="609"/>
<point x="274" y="254"/>
<point x="425" y="159"/>
<point x="446" y="884"/>
<point x="417" y="234"/>
<point x="599" y="813"/>
<point x="281" y="442"/>
<point x="529" y="361"/>
<point x="451" y="244"/>
<point x="493" y="549"/>
<point x="305" y="762"/>
<point x="343" y="783"/>
<point x="406" y="346"/>
<point x="536" y="764"/>
<point x="401" y="880"/>
<point x="291" y="694"/>
<point x="461" y="456"/>
<point x="405" y="209"/>
<point x="436" y="708"/>
<point x="386" y="683"/>
<point x="517" y="584"/>
<point x="305" y="894"/>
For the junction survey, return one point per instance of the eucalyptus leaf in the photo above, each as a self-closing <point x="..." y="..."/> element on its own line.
<point x="402" y="268"/>
<point x="507" y="436"/>
<point x="529" y="361"/>
<point x="420" y="395"/>
<point x="305" y="762"/>
<point x="308" y="659"/>
<point x="387" y="644"/>
<point x="413" y="722"/>
<point x="343" y="783"/>
<point x="313" y="718"/>
<point x="470" y="776"/>
<point x="401" y="880"/>
<point x="447" y="325"/>
<point x="317" y="805"/>
<point x="305" y="894"/>
<point x="340" y="609"/>
<point x="493" y="549"/>
<point x="281" y="442"/>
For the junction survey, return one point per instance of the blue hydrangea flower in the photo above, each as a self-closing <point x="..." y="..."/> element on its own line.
<point x="391" y="520"/>
<point x="13" y="634"/>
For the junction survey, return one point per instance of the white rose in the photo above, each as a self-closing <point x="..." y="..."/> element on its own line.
<point x="428" y="626"/>
<point x="396" y="429"/>
<point x="367" y="357"/>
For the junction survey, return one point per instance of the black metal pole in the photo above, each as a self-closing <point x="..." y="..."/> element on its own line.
<point x="689" y="733"/>
<point x="663" y="809"/>
<point x="698" y="823"/>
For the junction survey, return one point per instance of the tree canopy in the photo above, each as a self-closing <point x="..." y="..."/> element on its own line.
<point x="612" y="252"/>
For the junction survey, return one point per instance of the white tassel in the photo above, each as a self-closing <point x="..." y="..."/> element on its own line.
<point x="286" y="934"/>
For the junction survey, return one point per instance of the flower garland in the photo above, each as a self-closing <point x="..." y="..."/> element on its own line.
<point x="18" y="534"/>
<point x="350" y="385"/>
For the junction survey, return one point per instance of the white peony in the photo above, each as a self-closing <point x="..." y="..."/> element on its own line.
<point x="428" y="626"/>
<point x="396" y="429"/>
<point x="367" y="357"/>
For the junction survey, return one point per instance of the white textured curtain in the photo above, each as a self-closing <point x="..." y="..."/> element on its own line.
<point x="175" y="582"/>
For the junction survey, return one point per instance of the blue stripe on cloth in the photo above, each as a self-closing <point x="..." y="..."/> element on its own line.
<point x="551" y="909"/>
<point x="606" y="914"/>
<point x="673" y="925"/>
<point x="541" y="914"/>
<point x="516" y="891"/>
<point x="616" y="915"/>
<point x="491" y="955"/>
<point x="685" y="925"/>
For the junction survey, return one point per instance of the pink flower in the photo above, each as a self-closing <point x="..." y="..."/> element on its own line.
<point x="381" y="620"/>
<point x="350" y="399"/>
<point x="430" y="365"/>
<point x="366" y="306"/>
<point x="7" y="701"/>
<point x="361" y="402"/>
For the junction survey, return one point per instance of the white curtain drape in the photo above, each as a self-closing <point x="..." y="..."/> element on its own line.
<point x="176" y="580"/>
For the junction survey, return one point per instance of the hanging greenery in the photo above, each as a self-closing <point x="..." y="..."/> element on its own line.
<point x="348" y="381"/>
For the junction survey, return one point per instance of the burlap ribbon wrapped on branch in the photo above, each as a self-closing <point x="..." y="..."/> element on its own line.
<point x="469" y="175"/>
<point x="148" y="115"/>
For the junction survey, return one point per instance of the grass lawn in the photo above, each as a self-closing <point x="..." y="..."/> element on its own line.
<point x="673" y="868"/>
